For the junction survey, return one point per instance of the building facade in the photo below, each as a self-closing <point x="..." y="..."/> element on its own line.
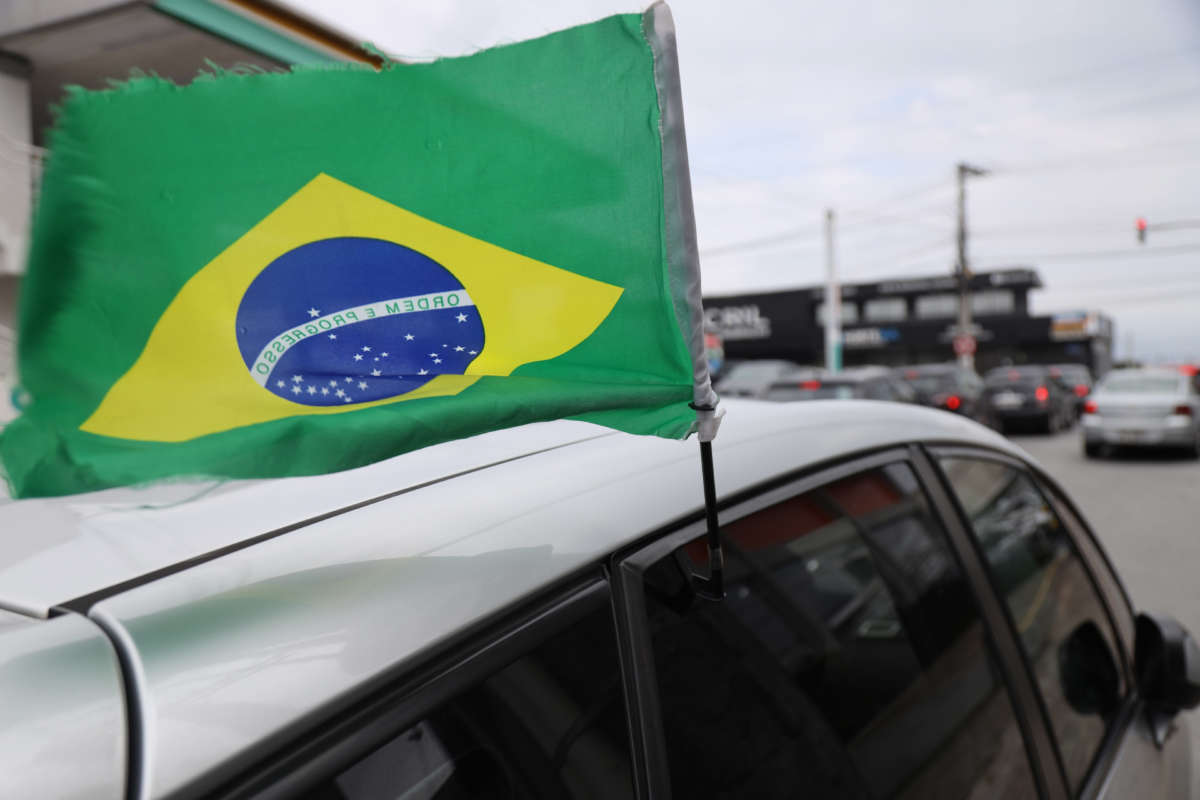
<point x="912" y="321"/>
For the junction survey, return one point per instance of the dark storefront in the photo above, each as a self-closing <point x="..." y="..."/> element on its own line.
<point x="911" y="321"/>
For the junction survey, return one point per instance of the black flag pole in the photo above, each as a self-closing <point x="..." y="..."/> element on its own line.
<point x="683" y="266"/>
<point x="711" y="586"/>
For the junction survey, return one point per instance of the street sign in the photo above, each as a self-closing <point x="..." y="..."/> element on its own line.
<point x="964" y="345"/>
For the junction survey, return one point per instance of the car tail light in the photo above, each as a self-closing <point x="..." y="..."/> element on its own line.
<point x="953" y="402"/>
<point x="1042" y="394"/>
<point x="1081" y="390"/>
<point x="1183" y="411"/>
<point x="811" y="385"/>
<point x="1013" y="375"/>
<point x="1090" y="407"/>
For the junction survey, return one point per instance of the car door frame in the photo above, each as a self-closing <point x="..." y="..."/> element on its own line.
<point x="1094" y="561"/>
<point x="628" y="565"/>
<point x="330" y="740"/>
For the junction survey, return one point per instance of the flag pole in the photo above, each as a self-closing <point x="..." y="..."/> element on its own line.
<point x="683" y="268"/>
<point x="711" y="586"/>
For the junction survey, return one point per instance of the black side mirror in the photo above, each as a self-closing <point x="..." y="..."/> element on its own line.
<point x="1167" y="663"/>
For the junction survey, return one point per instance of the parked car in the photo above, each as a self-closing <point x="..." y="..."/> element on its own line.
<point x="753" y="378"/>
<point x="853" y="383"/>
<point x="1028" y="396"/>
<point x="1143" y="408"/>
<point x="950" y="387"/>
<point x="912" y="609"/>
<point x="1077" y="379"/>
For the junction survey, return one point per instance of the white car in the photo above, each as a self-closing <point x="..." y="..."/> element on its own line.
<point x="913" y="609"/>
<point x="1142" y="408"/>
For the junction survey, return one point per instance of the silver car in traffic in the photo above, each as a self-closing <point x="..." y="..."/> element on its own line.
<point x="1142" y="408"/>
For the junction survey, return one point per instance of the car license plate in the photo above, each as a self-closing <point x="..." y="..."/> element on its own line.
<point x="1129" y="437"/>
<point x="1008" y="400"/>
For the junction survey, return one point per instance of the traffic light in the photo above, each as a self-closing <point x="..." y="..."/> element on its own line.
<point x="1141" y="230"/>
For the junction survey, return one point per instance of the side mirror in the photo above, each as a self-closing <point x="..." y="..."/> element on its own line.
<point x="1167" y="663"/>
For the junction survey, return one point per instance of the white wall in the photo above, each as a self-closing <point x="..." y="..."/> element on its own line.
<point x="16" y="171"/>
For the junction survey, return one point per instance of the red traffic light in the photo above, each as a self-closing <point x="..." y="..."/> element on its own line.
<point x="1141" y="223"/>
<point x="1141" y="229"/>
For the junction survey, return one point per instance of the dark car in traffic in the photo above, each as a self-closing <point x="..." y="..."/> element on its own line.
<point x="856" y="383"/>
<point x="1077" y="379"/>
<point x="950" y="387"/>
<point x="1028" y="396"/>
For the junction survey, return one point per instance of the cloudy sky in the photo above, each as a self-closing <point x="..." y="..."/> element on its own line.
<point x="1086" y="113"/>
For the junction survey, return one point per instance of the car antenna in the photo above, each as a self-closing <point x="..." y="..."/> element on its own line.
<point x="711" y="586"/>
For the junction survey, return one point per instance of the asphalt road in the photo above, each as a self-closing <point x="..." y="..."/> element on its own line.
<point x="1145" y="509"/>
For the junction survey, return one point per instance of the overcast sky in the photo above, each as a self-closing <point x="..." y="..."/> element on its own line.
<point x="1087" y="113"/>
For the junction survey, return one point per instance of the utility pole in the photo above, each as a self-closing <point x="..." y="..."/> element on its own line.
<point x="833" y="302"/>
<point x="964" y="338"/>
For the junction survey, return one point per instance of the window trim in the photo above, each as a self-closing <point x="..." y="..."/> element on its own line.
<point x="629" y="565"/>
<point x="1028" y="708"/>
<point x="323" y="744"/>
<point x="1106" y="752"/>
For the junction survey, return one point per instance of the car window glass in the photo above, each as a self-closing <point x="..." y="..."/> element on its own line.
<point x="1063" y="628"/>
<point x="549" y="725"/>
<point x="847" y="661"/>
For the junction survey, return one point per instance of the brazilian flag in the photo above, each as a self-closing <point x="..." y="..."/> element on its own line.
<point x="273" y="274"/>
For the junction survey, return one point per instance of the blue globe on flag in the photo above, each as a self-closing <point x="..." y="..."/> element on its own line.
<point x="352" y="320"/>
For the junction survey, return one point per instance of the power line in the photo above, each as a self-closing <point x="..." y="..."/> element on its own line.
<point x="1102" y="254"/>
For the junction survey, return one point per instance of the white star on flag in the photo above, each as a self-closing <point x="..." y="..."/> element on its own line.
<point x="340" y="393"/>
<point x="312" y="312"/>
<point x="333" y="383"/>
<point x="437" y="361"/>
<point x="472" y="352"/>
<point x="362" y="384"/>
<point x="423" y="372"/>
<point x="358" y="356"/>
<point x="463" y="317"/>
<point x="408" y="337"/>
<point x="312" y="390"/>
<point x="384" y="354"/>
<point x="458" y="349"/>
<point x="297" y="378"/>
<point x="376" y="373"/>
<point x="296" y="389"/>
<point x="366" y="348"/>
<point x="433" y="355"/>
<point x="333" y="336"/>
<point x="280" y="384"/>
<point x="324" y="390"/>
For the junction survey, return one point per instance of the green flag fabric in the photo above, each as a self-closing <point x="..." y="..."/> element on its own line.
<point x="267" y="274"/>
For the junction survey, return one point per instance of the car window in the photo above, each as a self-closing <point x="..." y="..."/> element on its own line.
<point x="847" y="661"/>
<point x="549" y="725"/>
<point x="1063" y="628"/>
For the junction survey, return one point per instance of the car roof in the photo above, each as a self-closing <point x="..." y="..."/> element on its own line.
<point x="56" y="550"/>
<point x="286" y="597"/>
<point x="927" y="369"/>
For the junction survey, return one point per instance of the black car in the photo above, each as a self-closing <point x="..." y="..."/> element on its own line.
<point x="1077" y="379"/>
<point x="1028" y="396"/>
<point x="949" y="387"/>
<point x="856" y="383"/>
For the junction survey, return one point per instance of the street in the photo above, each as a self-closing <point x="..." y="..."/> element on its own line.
<point x="1143" y="508"/>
